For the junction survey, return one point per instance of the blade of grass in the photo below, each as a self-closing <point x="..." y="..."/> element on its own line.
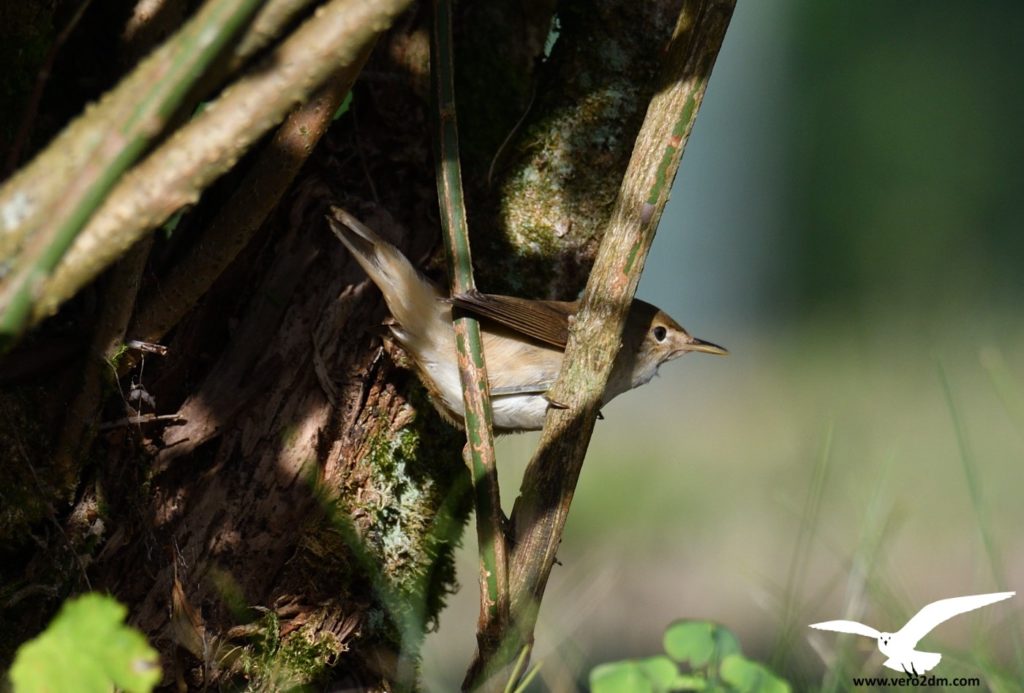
<point x="981" y="516"/>
<point x="798" y="560"/>
<point x="973" y="479"/>
<point x="1006" y="387"/>
<point x="876" y="526"/>
<point x="517" y="670"/>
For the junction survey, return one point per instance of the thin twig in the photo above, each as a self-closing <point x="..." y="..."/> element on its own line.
<point x="244" y="213"/>
<point x="510" y="136"/>
<point x="479" y="452"/>
<point x="146" y="347"/>
<point x="141" y="419"/>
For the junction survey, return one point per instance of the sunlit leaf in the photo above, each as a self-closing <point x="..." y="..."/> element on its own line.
<point x="697" y="642"/>
<point x="86" y="648"/>
<point x="620" y="677"/>
<point x="343" y="106"/>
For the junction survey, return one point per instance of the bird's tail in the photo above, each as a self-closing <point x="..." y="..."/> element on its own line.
<point x="412" y="299"/>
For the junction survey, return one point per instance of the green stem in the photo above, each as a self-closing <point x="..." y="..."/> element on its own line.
<point x="550" y="480"/>
<point x="175" y="174"/>
<point x="494" y="597"/>
<point x="243" y="214"/>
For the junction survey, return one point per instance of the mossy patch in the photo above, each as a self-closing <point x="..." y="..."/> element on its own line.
<point x="419" y="506"/>
<point x="390" y="545"/>
<point x="302" y="658"/>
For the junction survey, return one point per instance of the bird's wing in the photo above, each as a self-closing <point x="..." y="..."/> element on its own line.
<point x="847" y="627"/>
<point x="545" y="321"/>
<point x="935" y="613"/>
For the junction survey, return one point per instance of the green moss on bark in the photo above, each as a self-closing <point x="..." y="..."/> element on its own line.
<point x="568" y="160"/>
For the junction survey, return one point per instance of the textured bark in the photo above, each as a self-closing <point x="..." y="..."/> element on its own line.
<point x="560" y="176"/>
<point x="296" y="525"/>
<point x="255" y="500"/>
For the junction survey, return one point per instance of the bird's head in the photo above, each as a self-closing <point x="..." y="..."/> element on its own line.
<point x="651" y="338"/>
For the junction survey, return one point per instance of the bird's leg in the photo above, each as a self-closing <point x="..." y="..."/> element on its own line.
<point x="555" y="404"/>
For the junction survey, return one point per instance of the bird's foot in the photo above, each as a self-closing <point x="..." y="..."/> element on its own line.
<point x="554" y="403"/>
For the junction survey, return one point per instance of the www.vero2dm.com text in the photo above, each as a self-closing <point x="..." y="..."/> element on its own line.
<point x="914" y="681"/>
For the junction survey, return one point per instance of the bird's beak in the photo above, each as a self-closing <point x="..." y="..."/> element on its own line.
<point x="707" y="347"/>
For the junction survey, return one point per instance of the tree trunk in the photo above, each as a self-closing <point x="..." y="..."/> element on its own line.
<point x="295" y="523"/>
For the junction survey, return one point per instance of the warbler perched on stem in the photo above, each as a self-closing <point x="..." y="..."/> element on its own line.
<point x="524" y="340"/>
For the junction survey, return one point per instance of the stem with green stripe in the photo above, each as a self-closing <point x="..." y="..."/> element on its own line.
<point x="174" y="174"/>
<point x="539" y="516"/>
<point x="114" y="151"/>
<point x="479" y="451"/>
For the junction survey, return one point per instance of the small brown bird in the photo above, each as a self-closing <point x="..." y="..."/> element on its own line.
<point x="524" y="340"/>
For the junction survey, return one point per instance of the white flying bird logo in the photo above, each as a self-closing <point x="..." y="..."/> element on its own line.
<point x="899" y="646"/>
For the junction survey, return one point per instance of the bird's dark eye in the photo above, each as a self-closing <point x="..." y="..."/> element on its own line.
<point x="660" y="333"/>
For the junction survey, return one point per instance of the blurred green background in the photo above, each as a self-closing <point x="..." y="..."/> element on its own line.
<point x="848" y="221"/>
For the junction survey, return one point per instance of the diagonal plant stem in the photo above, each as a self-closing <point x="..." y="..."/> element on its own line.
<point x="479" y="451"/>
<point x="112" y="150"/>
<point x="549" y="482"/>
<point x="27" y="198"/>
<point x="175" y="174"/>
<point x="244" y="213"/>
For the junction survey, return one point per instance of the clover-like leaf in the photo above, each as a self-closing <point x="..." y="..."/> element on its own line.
<point x="86" y="648"/>
<point x="619" y="677"/>
<point x="651" y="674"/>
<point x="698" y="642"/>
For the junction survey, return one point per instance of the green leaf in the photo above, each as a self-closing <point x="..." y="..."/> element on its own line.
<point x="655" y="674"/>
<point x="620" y="677"/>
<point x="660" y="671"/>
<point x="171" y="224"/>
<point x="750" y="677"/>
<point x="690" y="682"/>
<point x="343" y="106"/>
<point x="698" y="642"/>
<point x="86" y="648"/>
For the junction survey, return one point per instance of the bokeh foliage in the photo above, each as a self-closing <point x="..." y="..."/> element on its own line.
<point x="906" y="158"/>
